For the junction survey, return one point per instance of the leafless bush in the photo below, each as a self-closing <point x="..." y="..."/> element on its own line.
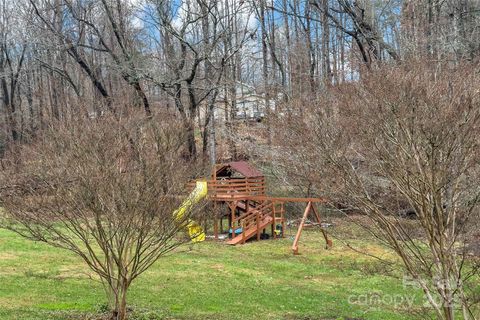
<point x="401" y="138"/>
<point x="105" y="189"/>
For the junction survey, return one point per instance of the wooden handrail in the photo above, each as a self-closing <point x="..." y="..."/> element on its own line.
<point x="240" y="186"/>
<point x="248" y="212"/>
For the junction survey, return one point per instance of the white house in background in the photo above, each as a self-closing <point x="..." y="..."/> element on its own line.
<point x="249" y="104"/>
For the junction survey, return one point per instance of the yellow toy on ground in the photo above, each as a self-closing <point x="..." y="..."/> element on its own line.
<point x="195" y="231"/>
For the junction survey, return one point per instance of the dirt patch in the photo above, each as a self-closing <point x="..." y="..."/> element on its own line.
<point x="7" y="256"/>
<point x="14" y="302"/>
<point x="74" y="272"/>
<point x="8" y="271"/>
<point x="218" y="267"/>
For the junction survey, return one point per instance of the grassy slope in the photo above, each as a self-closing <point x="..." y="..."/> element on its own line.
<point x="212" y="281"/>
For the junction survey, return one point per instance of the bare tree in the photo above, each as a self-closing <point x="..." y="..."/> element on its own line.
<point x="367" y="37"/>
<point x="47" y="19"/>
<point x="194" y="62"/>
<point x="12" y="56"/>
<point x="380" y="150"/>
<point x="105" y="189"/>
<point x="87" y="31"/>
<point x="440" y="29"/>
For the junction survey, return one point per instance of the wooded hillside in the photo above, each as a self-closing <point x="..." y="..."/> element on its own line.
<point x="193" y="58"/>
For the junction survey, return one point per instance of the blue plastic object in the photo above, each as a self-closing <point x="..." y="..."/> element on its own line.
<point x="237" y="231"/>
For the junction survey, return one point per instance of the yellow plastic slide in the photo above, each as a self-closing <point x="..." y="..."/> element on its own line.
<point x="195" y="231"/>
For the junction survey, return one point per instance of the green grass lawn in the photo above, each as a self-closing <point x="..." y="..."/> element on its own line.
<point x="210" y="280"/>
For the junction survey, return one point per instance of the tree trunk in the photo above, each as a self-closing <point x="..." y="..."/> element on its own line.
<point x="209" y="126"/>
<point x="192" y="148"/>
<point x="146" y="105"/>
<point x="9" y="109"/>
<point x="265" y="68"/>
<point x="327" y="73"/>
<point x="213" y="150"/>
<point x="311" y="50"/>
<point x="120" y="307"/>
<point x="287" y="55"/>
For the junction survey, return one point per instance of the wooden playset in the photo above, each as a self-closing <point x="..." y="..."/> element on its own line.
<point x="250" y="210"/>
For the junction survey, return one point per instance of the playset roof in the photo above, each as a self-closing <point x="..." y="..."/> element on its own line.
<point x="242" y="167"/>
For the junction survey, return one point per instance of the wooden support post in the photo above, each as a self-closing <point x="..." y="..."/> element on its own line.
<point x="243" y="231"/>
<point x="257" y="218"/>
<point x="231" y="216"/>
<point x="214" y="172"/>
<point x="316" y="213"/>
<point x="300" y="228"/>
<point x="283" y="219"/>
<point x="215" y="221"/>
<point x="273" y="227"/>
<point x="233" y="205"/>
<point x="328" y="242"/>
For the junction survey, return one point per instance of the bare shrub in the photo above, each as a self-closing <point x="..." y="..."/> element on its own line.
<point x="400" y="139"/>
<point x="105" y="189"/>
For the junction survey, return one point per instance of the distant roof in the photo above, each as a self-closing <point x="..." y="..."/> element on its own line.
<point x="242" y="167"/>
